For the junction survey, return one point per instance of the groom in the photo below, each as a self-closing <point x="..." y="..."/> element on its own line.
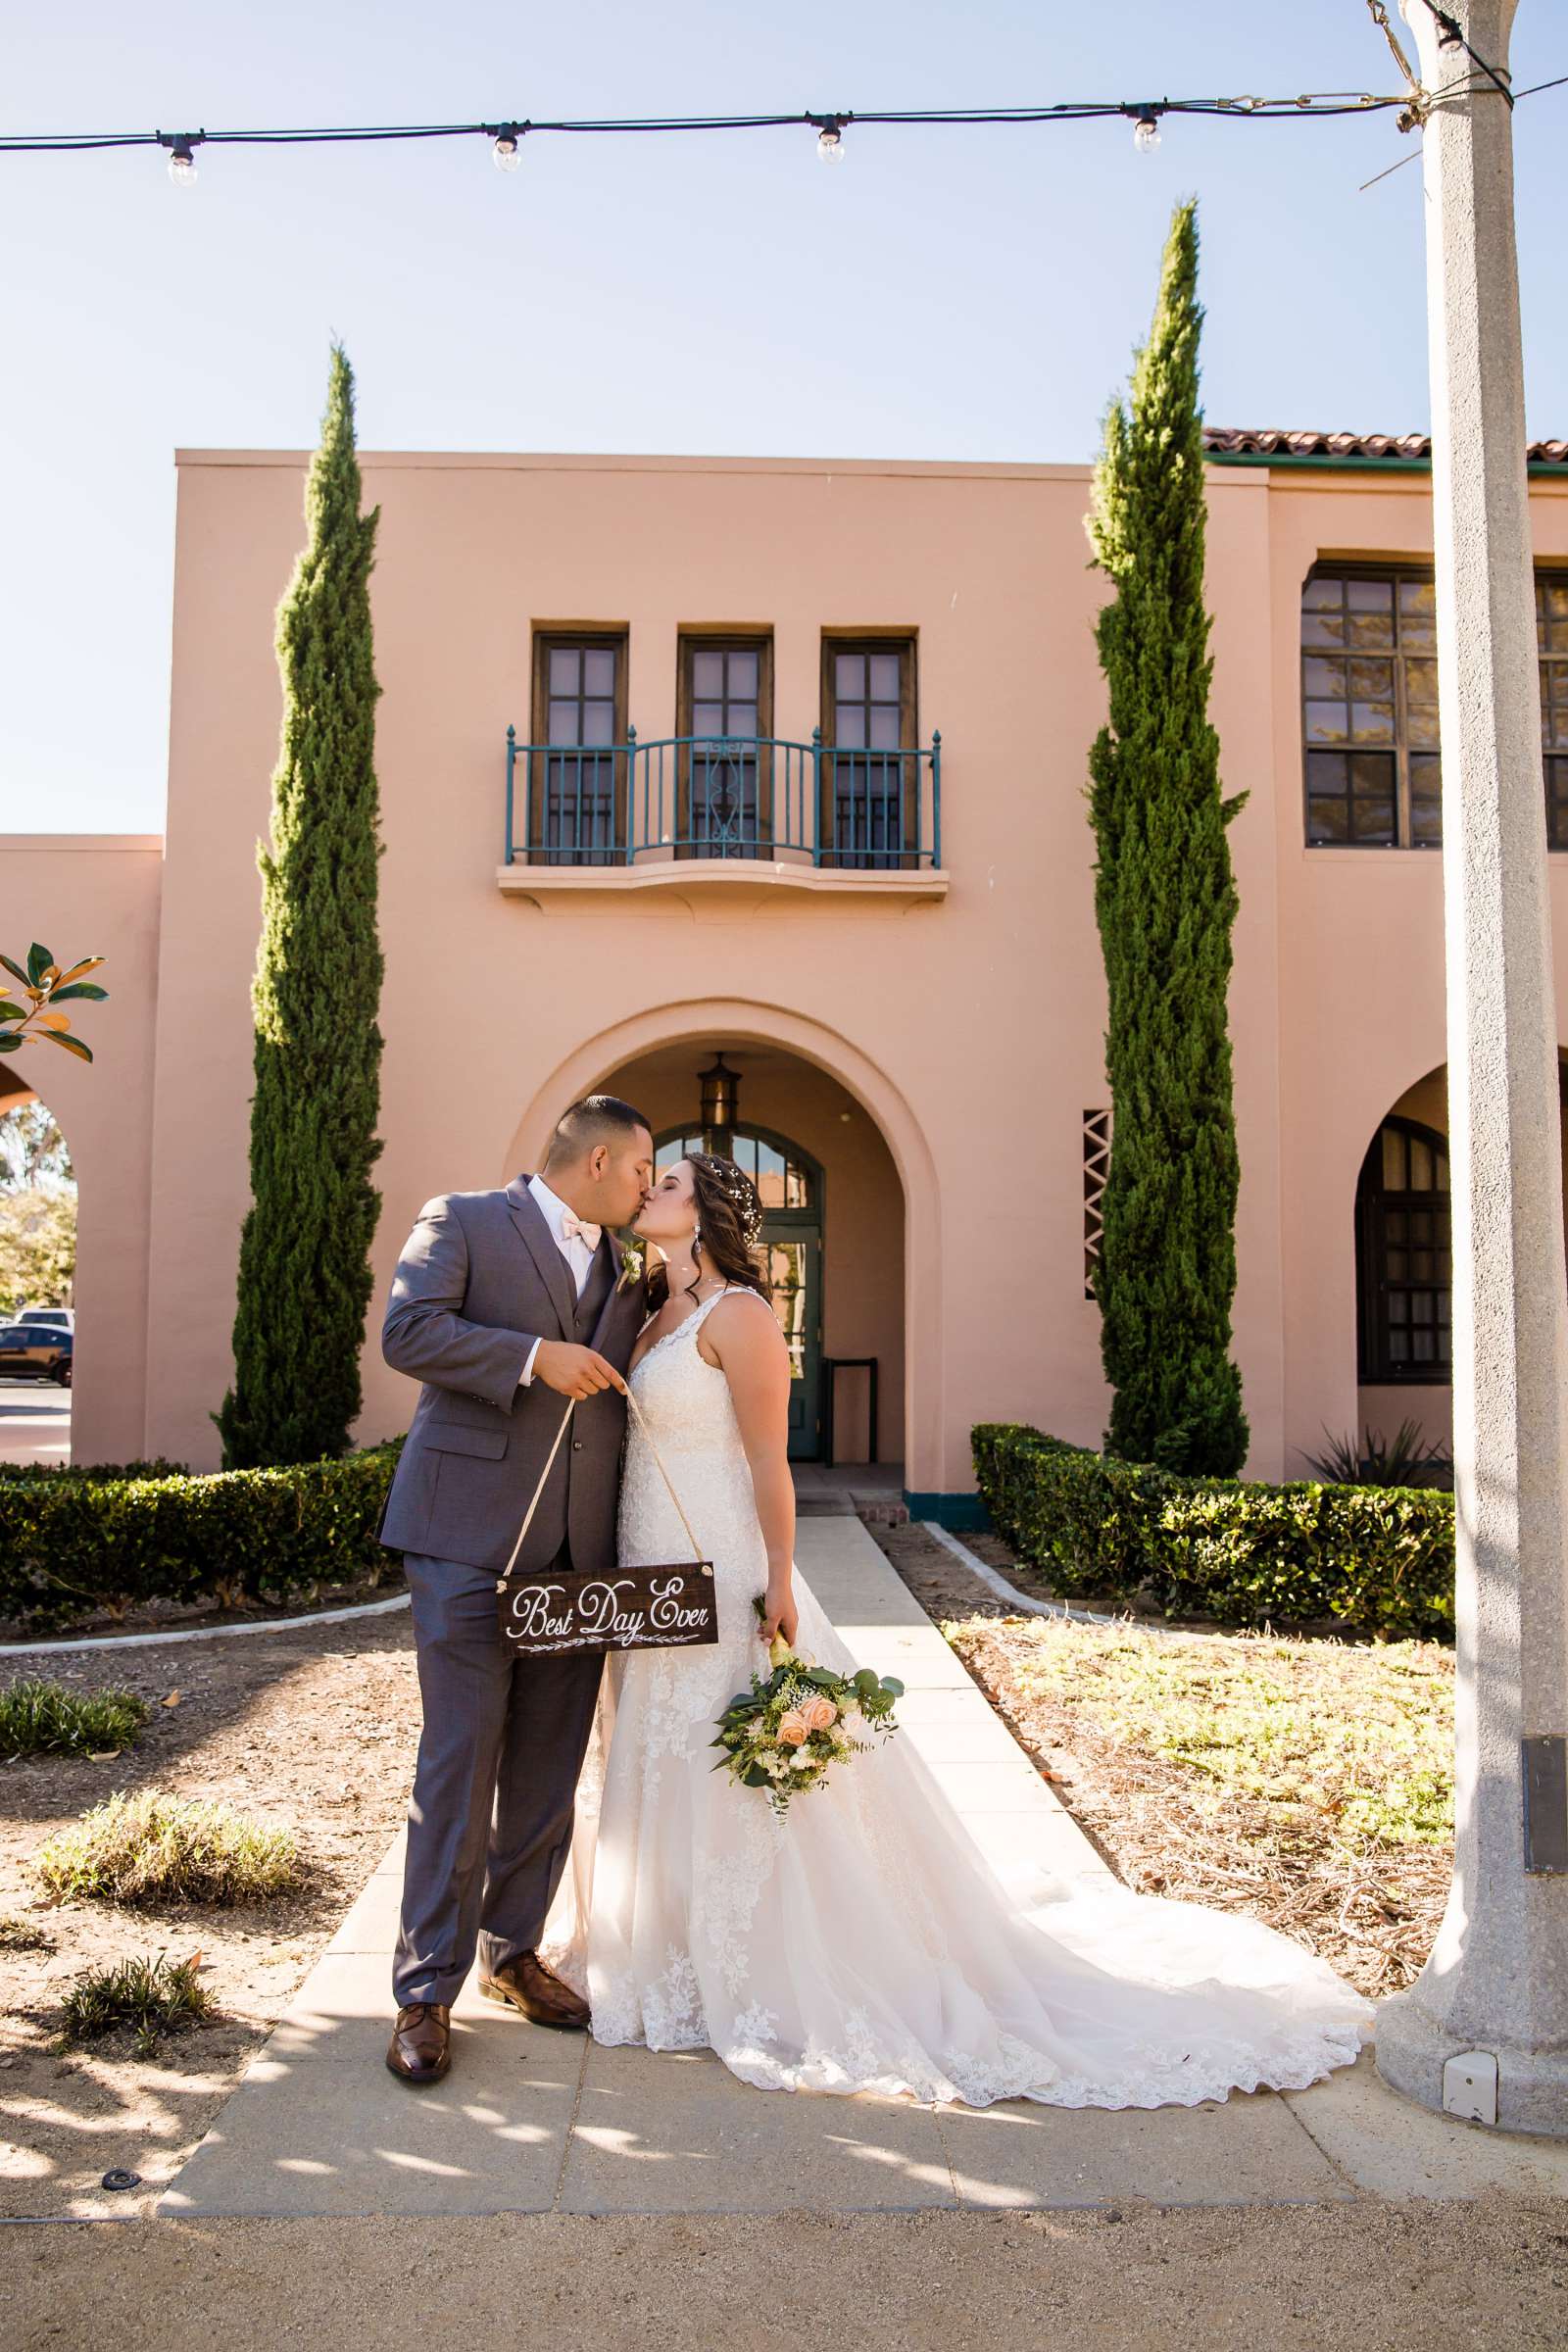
<point x="505" y="1305"/>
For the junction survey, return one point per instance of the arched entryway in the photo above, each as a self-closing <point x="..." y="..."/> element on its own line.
<point x="1404" y="1261"/>
<point x="803" y="1086"/>
<point x="793" y="1189"/>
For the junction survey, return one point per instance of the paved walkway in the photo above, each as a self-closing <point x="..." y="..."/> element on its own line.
<point x="534" y="2122"/>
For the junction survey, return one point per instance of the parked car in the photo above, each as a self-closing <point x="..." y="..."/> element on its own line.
<point x="36" y="1351"/>
<point x="63" y="1317"/>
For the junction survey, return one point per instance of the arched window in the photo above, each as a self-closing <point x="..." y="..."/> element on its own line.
<point x="784" y="1178"/>
<point x="1403" y="1262"/>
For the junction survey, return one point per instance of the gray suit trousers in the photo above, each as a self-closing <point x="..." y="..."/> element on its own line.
<point x="491" y="1817"/>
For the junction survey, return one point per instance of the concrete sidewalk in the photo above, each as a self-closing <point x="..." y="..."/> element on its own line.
<point x="534" y="2122"/>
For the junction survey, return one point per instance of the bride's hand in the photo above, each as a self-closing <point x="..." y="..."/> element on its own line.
<point x="779" y="1615"/>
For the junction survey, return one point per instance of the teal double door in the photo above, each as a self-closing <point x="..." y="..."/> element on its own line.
<point x="790" y="1184"/>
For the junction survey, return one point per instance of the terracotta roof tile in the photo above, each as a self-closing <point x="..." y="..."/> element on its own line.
<point x="1242" y="441"/>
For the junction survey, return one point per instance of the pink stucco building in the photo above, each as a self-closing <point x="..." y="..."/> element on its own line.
<point x="741" y="837"/>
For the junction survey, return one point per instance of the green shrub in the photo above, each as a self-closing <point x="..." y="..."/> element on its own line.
<point x="38" y="1717"/>
<point x="155" y="1849"/>
<point x="155" y="1996"/>
<point x="76" y="1541"/>
<point x="1378" y="1558"/>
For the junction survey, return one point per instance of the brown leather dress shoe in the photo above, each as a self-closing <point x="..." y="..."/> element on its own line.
<point x="526" y="1984"/>
<point x="421" y="2048"/>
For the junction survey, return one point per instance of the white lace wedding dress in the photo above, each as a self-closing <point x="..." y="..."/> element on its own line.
<point x="864" y="1943"/>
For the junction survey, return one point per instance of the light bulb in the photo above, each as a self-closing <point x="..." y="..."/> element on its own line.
<point x="1146" y="133"/>
<point x="830" y="144"/>
<point x="182" y="165"/>
<point x="507" y="151"/>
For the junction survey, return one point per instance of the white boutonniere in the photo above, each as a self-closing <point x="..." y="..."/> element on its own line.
<point x="631" y="1265"/>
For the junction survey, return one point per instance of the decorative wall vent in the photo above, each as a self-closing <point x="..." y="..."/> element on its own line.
<point x="1097" y="1165"/>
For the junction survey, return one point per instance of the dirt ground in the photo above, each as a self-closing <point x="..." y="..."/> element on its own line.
<point x="313" y="1729"/>
<point x="1412" y="2278"/>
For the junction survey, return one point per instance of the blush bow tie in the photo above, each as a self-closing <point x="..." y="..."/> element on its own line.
<point x="571" y="1227"/>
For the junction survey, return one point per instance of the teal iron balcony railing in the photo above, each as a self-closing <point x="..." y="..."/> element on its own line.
<point x="701" y="796"/>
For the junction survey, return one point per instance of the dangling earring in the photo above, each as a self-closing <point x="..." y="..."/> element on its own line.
<point x="697" y="1242"/>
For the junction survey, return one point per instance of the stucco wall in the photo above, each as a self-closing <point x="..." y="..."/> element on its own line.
<point x="85" y="894"/>
<point x="969" y="1031"/>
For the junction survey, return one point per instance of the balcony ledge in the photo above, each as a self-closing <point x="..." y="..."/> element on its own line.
<point x="737" y="875"/>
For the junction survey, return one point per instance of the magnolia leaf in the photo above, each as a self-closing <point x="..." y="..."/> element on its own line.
<point x="89" y="963"/>
<point x="81" y="988"/>
<point x="12" y="1045"/>
<point x="71" y="1045"/>
<point x="39" y="961"/>
<point x="54" y="1020"/>
<point x="14" y="969"/>
<point x="9" y="1012"/>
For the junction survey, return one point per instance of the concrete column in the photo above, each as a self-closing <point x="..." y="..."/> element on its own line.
<point x="1497" y="1983"/>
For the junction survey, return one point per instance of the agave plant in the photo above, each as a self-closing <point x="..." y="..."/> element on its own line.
<point x="1403" y="1461"/>
<point x="46" y="987"/>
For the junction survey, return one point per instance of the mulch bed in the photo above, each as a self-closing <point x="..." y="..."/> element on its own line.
<point x="1167" y="1829"/>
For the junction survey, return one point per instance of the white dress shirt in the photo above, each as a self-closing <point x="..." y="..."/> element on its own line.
<point x="576" y="1252"/>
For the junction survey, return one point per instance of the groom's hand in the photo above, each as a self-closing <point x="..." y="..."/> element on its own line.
<point x="573" y="1371"/>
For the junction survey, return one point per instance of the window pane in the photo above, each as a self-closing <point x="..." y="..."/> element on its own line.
<point x="1326" y="722"/>
<point x="1323" y="628"/>
<point x="1372" y="822"/>
<point x="598" y="669"/>
<point x="564" y="669"/>
<point x="1372" y="722"/>
<point x="1323" y="595"/>
<point x="884" y="728"/>
<point x="1327" y="821"/>
<point x="849" y="676"/>
<point x="742" y="675"/>
<point x="885" y="678"/>
<point x="1368" y="679"/>
<point x="1420" y="1166"/>
<point x="1319" y="675"/>
<point x="742" y="721"/>
<point x="1371" y="628"/>
<point x="1369" y="596"/>
<point x="598" y="723"/>
<point x="707" y="718"/>
<point x="1393" y="1161"/>
<point x="563" y="718"/>
<point x="850" y="726"/>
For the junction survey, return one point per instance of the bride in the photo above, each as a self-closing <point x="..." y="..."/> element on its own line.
<point x="863" y="1943"/>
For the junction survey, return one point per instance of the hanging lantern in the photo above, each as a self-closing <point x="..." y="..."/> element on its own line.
<point x="721" y="1090"/>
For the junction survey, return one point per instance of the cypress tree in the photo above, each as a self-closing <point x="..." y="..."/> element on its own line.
<point x="1165" y="900"/>
<point x="304" y="1261"/>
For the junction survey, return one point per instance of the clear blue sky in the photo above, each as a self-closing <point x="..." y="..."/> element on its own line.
<point x="947" y="293"/>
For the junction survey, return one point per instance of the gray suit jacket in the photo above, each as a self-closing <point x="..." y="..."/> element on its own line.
<point x="479" y="1280"/>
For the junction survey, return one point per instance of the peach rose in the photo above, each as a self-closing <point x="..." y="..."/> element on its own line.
<point x="818" y="1714"/>
<point x="793" y="1729"/>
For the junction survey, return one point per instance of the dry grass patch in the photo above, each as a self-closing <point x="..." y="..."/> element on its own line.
<point x="1307" y="1782"/>
<point x="154" y="1849"/>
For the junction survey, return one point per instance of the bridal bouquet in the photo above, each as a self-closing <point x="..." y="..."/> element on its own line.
<point x="783" y="1733"/>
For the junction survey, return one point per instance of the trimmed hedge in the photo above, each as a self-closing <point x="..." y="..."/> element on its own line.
<point x="75" y="1542"/>
<point x="1378" y="1558"/>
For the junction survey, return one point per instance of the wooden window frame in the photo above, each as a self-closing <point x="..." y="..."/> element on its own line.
<point x="906" y="642"/>
<point x="1401" y="751"/>
<point x="548" y="638"/>
<point x="688" y="643"/>
<point x="1374" y="1365"/>
<point x="1553" y="671"/>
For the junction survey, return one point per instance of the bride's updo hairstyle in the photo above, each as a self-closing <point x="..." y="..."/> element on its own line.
<point x="729" y="1228"/>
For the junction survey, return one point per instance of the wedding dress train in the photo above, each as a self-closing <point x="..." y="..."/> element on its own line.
<point x="864" y="1943"/>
